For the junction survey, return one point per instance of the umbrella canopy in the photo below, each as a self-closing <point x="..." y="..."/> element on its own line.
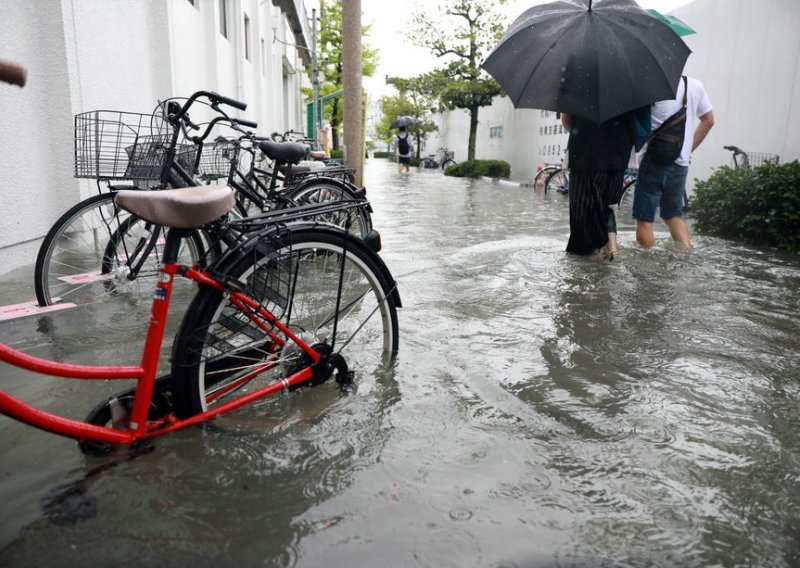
<point x="404" y="121"/>
<point x="590" y="59"/>
<point x="678" y="26"/>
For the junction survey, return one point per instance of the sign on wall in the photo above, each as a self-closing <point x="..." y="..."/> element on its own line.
<point x="550" y="138"/>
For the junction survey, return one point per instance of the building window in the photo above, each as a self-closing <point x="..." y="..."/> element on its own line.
<point x="223" y="18"/>
<point x="496" y="132"/>
<point x="247" y="37"/>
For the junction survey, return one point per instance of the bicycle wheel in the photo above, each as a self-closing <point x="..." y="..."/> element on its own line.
<point x="323" y="190"/>
<point x="295" y="275"/>
<point x="558" y="180"/>
<point x="447" y="163"/>
<point x="625" y="206"/>
<point x="540" y="181"/>
<point x="95" y="249"/>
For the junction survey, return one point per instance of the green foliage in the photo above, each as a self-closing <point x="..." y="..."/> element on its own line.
<point x="480" y="168"/>
<point x="755" y="205"/>
<point x="381" y="154"/>
<point x="337" y="154"/>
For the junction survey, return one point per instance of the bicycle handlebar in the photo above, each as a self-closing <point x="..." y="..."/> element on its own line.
<point x="216" y="100"/>
<point x="13" y="73"/>
<point x="733" y="149"/>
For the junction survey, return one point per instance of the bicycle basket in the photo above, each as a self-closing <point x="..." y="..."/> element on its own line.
<point x="760" y="158"/>
<point x="449" y="155"/>
<point x="122" y="145"/>
<point x="216" y="157"/>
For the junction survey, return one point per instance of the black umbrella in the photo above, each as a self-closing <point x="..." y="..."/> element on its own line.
<point x="403" y="121"/>
<point x="594" y="60"/>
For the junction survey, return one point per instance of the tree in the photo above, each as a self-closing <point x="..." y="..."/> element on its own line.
<point x="330" y="50"/>
<point x="465" y="35"/>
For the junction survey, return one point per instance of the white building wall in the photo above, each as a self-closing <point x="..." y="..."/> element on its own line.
<point x="85" y="55"/>
<point x="747" y="54"/>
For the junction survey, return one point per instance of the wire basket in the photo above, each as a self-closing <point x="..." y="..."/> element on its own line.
<point x="761" y="158"/>
<point x="216" y="159"/>
<point x="124" y="145"/>
<point x="449" y="155"/>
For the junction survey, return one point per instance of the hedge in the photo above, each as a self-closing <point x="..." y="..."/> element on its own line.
<point x="480" y="168"/>
<point x="754" y="205"/>
<point x="381" y="154"/>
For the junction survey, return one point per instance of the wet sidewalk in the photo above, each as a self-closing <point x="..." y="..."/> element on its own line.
<point x="545" y="409"/>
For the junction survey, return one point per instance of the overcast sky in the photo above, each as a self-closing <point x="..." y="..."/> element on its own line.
<point x="399" y="58"/>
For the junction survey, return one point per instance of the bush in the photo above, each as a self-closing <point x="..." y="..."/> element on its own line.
<point x="377" y="154"/>
<point x="755" y="205"/>
<point x="480" y="168"/>
<point x="337" y="154"/>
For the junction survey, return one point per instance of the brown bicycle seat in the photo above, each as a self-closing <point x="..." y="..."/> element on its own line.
<point x="183" y="208"/>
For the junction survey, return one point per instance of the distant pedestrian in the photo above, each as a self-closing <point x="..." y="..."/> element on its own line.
<point x="663" y="186"/>
<point x="404" y="143"/>
<point x="598" y="155"/>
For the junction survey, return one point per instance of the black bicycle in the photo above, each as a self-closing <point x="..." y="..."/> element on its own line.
<point x="96" y="247"/>
<point x="742" y="159"/>
<point x="442" y="159"/>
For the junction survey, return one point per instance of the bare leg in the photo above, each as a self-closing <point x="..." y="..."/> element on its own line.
<point x="609" y="250"/>
<point x="644" y="233"/>
<point x="679" y="231"/>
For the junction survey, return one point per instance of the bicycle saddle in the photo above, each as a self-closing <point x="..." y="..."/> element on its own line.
<point x="287" y="152"/>
<point x="183" y="208"/>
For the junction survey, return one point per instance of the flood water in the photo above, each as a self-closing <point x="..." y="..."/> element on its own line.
<point x="546" y="410"/>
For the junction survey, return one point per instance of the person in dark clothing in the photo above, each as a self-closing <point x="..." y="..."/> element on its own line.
<point x="598" y="157"/>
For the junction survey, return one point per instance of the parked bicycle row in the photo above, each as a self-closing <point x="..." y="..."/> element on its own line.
<point x="289" y="288"/>
<point x="553" y="177"/>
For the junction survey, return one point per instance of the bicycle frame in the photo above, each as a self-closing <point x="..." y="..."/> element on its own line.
<point x="145" y="372"/>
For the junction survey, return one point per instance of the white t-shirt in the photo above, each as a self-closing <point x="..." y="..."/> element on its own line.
<point x="697" y="104"/>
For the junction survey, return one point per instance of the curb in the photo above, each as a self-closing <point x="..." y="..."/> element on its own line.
<point x="503" y="181"/>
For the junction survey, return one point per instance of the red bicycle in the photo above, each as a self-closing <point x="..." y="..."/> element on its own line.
<point x="294" y="303"/>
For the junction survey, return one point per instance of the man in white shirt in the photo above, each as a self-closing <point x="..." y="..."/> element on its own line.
<point x="663" y="186"/>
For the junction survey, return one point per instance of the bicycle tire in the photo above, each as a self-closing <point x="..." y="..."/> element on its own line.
<point x="447" y="163"/>
<point x="75" y="264"/>
<point x="558" y="181"/>
<point x="296" y="278"/>
<point x="323" y="190"/>
<point x="540" y="180"/>
<point x="625" y="205"/>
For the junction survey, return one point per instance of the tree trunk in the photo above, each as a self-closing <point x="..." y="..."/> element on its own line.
<point x="352" y="99"/>
<point x="473" y="131"/>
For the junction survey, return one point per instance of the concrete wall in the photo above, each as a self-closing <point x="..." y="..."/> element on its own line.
<point x="87" y="55"/>
<point x="746" y="52"/>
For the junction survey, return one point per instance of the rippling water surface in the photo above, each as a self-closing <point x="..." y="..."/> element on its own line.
<point x="545" y="410"/>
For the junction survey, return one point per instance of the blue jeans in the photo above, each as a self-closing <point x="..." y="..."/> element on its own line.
<point x="659" y="187"/>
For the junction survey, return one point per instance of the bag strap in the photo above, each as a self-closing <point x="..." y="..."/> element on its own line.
<point x="685" y="90"/>
<point x="672" y="121"/>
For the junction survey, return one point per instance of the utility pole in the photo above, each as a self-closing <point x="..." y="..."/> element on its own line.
<point x="351" y="68"/>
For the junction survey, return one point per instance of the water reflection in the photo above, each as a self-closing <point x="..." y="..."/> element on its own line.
<point x="545" y="410"/>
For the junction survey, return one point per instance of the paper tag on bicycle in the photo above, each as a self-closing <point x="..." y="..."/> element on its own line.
<point x="161" y="294"/>
<point x="86" y="277"/>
